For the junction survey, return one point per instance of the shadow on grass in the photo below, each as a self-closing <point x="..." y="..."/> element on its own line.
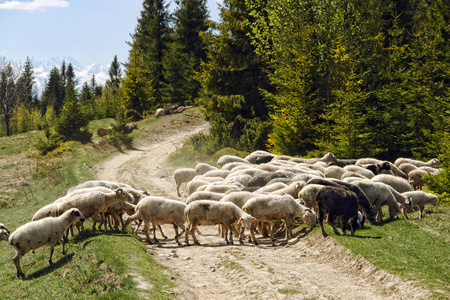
<point x="47" y="270"/>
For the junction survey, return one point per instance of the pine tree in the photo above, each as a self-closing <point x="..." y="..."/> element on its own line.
<point x="25" y="85"/>
<point x="231" y="81"/>
<point x="115" y="74"/>
<point x="9" y="100"/>
<point x="53" y="94"/>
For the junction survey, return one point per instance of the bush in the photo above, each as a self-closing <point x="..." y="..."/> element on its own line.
<point x="73" y="123"/>
<point x="440" y="185"/>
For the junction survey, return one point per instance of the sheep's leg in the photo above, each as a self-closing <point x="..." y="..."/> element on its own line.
<point x="352" y="230"/>
<point x="404" y="213"/>
<point x="186" y="234"/>
<point x="288" y="225"/>
<point x="137" y="226"/>
<point x="178" y="189"/>
<point x="146" y="231"/>
<point x="252" y="233"/>
<point x="421" y="208"/>
<point x="130" y="219"/>
<point x="271" y="227"/>
<point x="154" y="231"/>
<point x="345" y="221"/>
<point x="177" y="236"/>
<point x="330" y="221"/>
<point x="194" y="227"/>
<point x="241" y="234"/>
<point x="52" y="248"/>
<point x="162" y="233"/>
<point x="320" y="219"/>
<point x="228" y="228"/>
<point x="16" y="260"/>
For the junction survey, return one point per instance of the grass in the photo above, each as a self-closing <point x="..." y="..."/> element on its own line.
<point x="414" y="249"/>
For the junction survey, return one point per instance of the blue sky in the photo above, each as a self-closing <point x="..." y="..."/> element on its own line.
<point x="91" y="31"/>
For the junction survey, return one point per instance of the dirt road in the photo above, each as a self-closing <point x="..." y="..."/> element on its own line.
<point x="312" y="268"/>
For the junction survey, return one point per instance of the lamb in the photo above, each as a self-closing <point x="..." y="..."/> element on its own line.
<point x="4" y="233"/>
<point x="204" y="195"/>
<point x="434" y="162"/>
<point x="94" y="183"/>
<point x="36" y="234"/>
<point x="272" y="208"/>
<point x="420" y="199"/>
<point x="205" y="212"/>
<point x="156" y="211"/>
<point x="406" y="202"/>
<point x="308" y="194"/>
<point x="407" y="167"/>
<point x="94" y="203"/>
<point x="223" y="160"/>
<point x="181" y="176"/>
<point x="217" y="173"/>
<point x="401" y="185"/>
<point x="202" y="168"/>
<point x="116" y="211"/>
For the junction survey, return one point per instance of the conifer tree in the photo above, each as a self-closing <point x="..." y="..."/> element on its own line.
<point x="9" y="100"/>
<point x="115" y="74"/>
<point x="25" y="85"/>
<point x="53" y="94"/>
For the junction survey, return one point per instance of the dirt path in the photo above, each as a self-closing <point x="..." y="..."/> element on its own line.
<point x="311" y="268"/>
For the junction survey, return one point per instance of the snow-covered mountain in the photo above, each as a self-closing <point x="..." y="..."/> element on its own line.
<point x="83" y="73"/>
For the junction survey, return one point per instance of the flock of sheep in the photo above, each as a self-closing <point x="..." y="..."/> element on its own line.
<point x="263" y="193"/>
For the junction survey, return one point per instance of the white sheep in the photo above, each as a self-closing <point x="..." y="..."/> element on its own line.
<point x="217" y="173"/>
<point x="420" y="199"/>
<point x="223" y="160"/>
<point x="204" y="195"/>
<point x="328" y="158"/>
<point x="308" y="195"/>
<point x="334" y="172"/>
<point x="360" y="170"/>
<point x="94" y="183"/>
<point x="399" y="184"/>
<point x="392" y="168"/>
<point x="223" y="187"/>
<point x="234" y="166"/>
<point x="202" y="168"/>
<point x="434" y="162"/>
<point x="258" y="156"/>
<point x="156" y="211"/>
<point x="292" y="189"/>
<point x="36" y="234"/>
<point x="407" y="167"/>
<point x="379" y="194"/>
<point x="239" y="198"/>
<point x="181" y="176"/>
<point x="406" y="202"/>
<point x="94" y="203"/>
<point x="115" y="212"/>
<point x="273" y="208"/>
<point x="268" y="188"/>
<point x="243" y="179"/>
<point x="416" y="176"/>
<point x="206" y="212"/>
<point x="4" y="233"/>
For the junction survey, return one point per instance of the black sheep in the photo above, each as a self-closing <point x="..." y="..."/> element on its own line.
<point x="337" y="202"/>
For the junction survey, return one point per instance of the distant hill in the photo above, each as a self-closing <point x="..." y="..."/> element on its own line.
<point x="83" y="73"/>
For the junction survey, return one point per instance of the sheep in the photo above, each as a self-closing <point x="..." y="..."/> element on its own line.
<point x="308" y="194"/>
<point x="360" y="170"/>
<point x="434" y="162"/>
<point x="204" y="195"/>
<point x="193" y="185"/>
<point x="328" y="158"/>
<point x="399" y="184"/>
<point x="259" y="156"/>
<point x="406" y="168"/>
<point x="379" y="194"/>
<point x="223" y="160"/>
<point x="116" y="211"/>
<point x="406" y="202"/>
<point x="263" y="177"/>
<point x="156" y="211"/>
<point x="181" y="176"/>
<point x="292" y="189"/>
<point x="342" y="162"/>
<point x="352" y="174"/>
<point x="335" y="202"/>
<point x="217" y="173"/>
<point x="202" y="168"/>
<point x="223" y="187"/>
<point x="420" y="199"/>
<point x="272" y="208"/>
<point x="206" y="212"/>
<point x="36" y="234"/>
<point x="271" y="187"/>
<point x="4" y="233"/>
<point x="243" y="179"/>
<point x="234" y="166"/>
<point x="94" y="183"/>
<point x="416" y="176"/>
<point x="383" y="164"/>
<point x="363" y="200"/>
<point x="94" y="203"/>
<point x="239" y="198"/>
<point x="334" y="172"/>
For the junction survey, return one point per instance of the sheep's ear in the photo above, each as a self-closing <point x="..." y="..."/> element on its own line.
<point x="254" y="219"/>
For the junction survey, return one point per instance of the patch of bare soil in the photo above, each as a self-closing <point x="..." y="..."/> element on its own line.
<point x="310" y="267"/>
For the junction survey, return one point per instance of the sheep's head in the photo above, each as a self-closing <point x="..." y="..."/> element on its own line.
<point x="329" y="158"/>
<point x="309" y="217"/>
<point x="435" y="162"/>
<point x="409" y="204"/>
<point x="76" y="215"/>
<point x="123" y="195"/>
<point x="434" y="200"/>
<point x="246" y="221"/>
<point x="394" y="210"/>
<point x="4" y="233"/>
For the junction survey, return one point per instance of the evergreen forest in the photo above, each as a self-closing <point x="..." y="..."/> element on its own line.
<point x="358" y="78"/>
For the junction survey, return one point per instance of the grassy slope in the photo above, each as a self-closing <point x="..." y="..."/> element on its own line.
<point x="103" y="266"/>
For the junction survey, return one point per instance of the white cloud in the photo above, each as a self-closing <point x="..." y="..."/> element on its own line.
<point x="33" y="5"/>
